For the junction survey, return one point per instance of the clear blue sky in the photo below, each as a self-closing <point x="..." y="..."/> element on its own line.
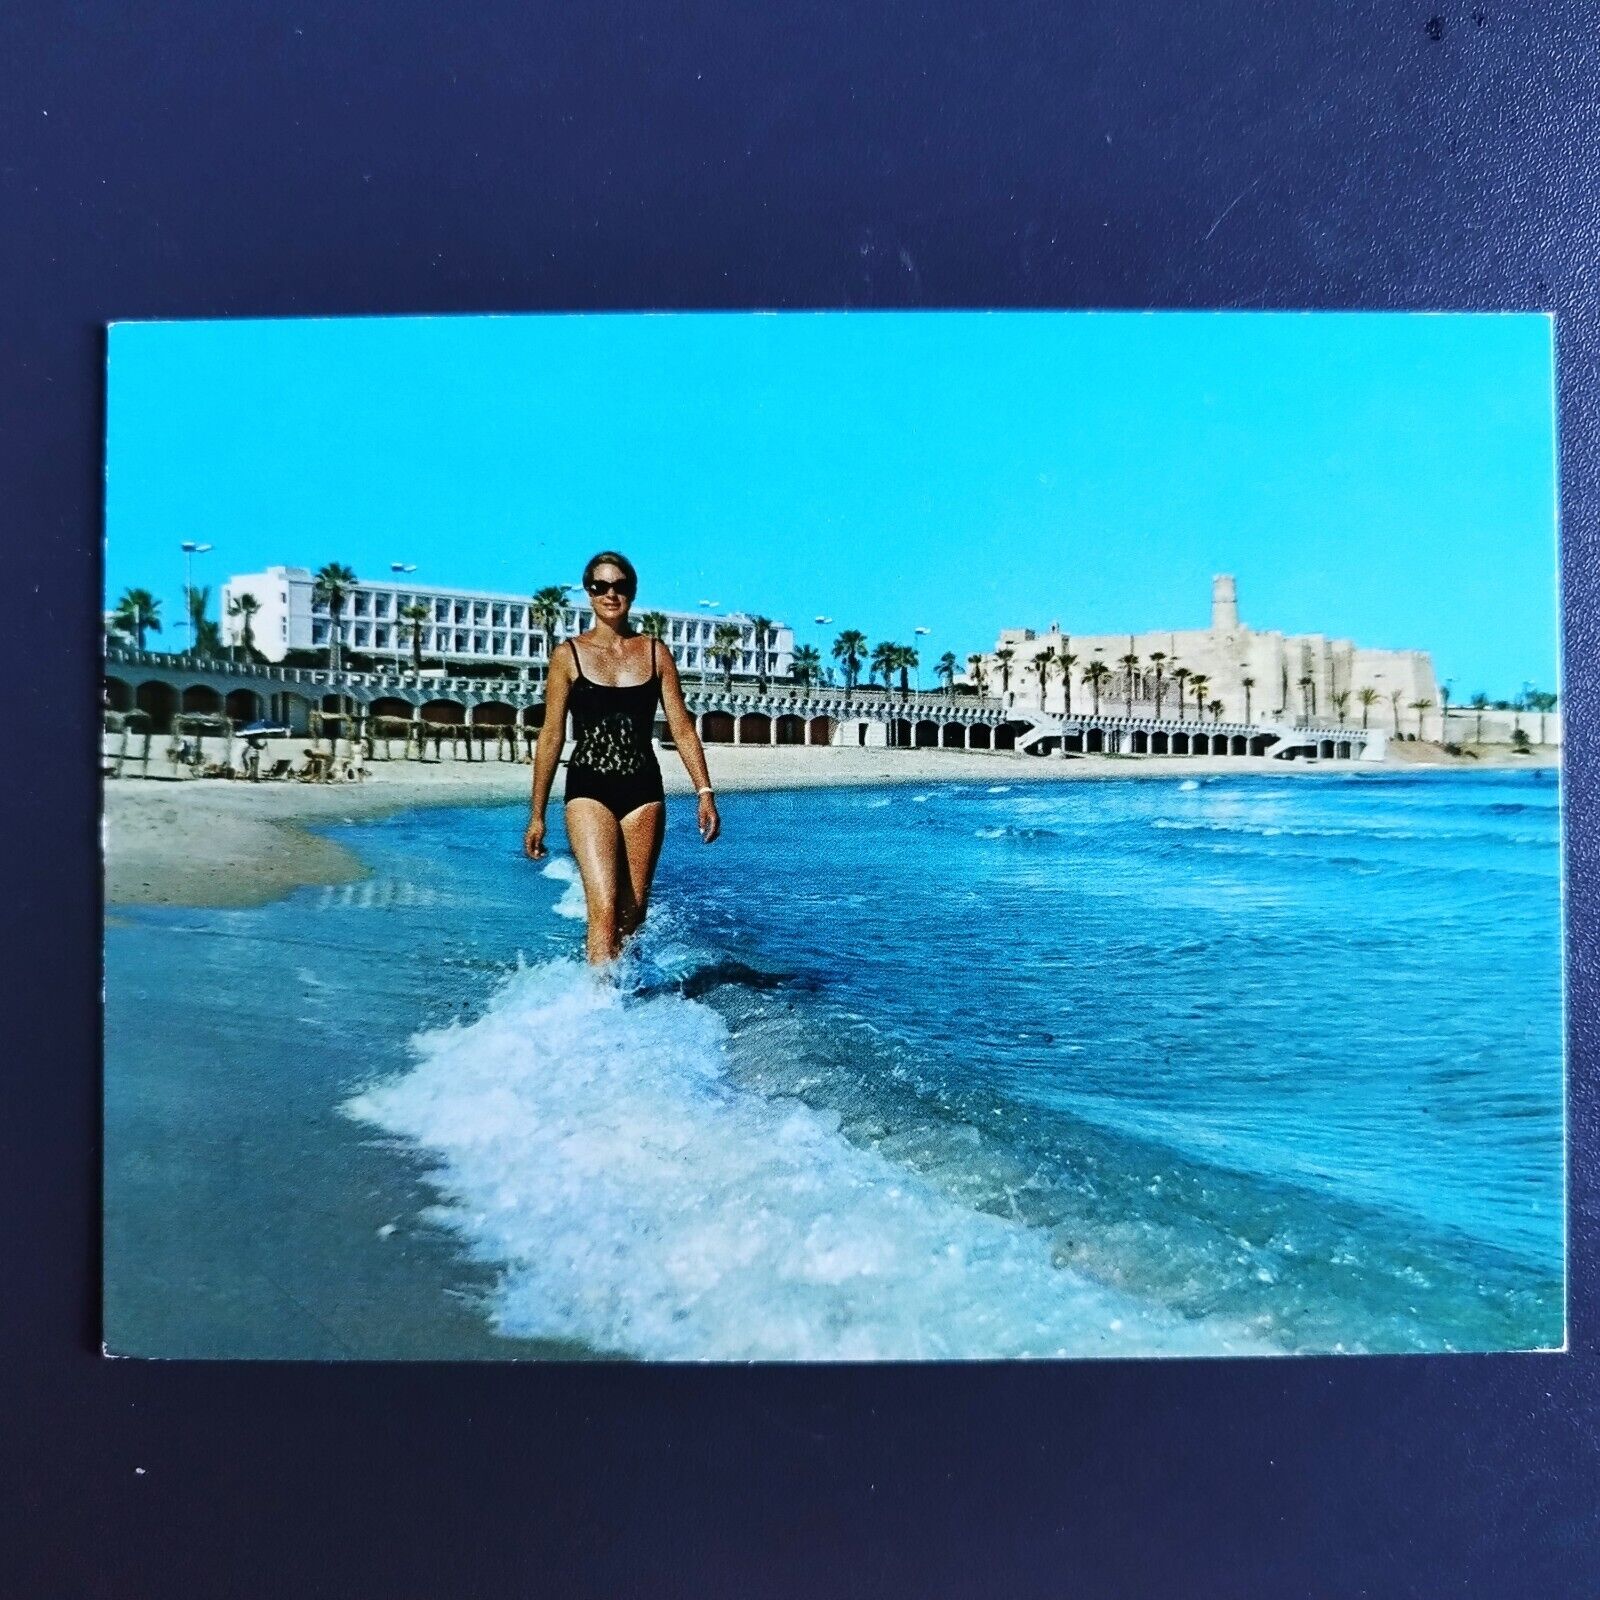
<point x="1386" y="478"/>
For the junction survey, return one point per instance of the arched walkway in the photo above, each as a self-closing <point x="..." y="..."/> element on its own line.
<point x="119" y="697"/>
<point x="900" y="733"/>
<point x="755" y="727"/>
<point x="202" y="698"/>
<point x="1160" y="743"/>
<point x="444" y="711"/>
<point x="716" y="727"/>
<point x="159" y="702"/>
<point x="953" y="736"/>
<point x="927" y="735"/>
<point x="979" y="737"/>
<point x="820" y="730"/>
<point x="791" y="730"/>
<point x="1141" y="742"/>
<point x="243" y="705"/>
<point x="1094" y="741"/>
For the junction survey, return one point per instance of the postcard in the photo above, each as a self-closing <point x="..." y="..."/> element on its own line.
<point x="832" y="837"/>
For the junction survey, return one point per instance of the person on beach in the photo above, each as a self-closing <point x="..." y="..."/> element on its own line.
<point x="612" y="679"/>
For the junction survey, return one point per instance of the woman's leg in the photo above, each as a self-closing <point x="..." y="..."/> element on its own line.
<point x="596" y="845"/>
<point x="642" y="832"/>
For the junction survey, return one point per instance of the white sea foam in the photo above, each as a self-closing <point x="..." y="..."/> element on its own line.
<point x="571" y="904"/>
<point x="636" y="1200"/>
<point x="1189" y="783"/>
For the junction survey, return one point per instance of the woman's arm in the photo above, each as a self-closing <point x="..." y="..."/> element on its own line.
<point x="688" y="745"/>
<point x="547" y="750"/>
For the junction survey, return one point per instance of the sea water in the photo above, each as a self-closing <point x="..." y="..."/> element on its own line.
<point x="1233" y="1064"/>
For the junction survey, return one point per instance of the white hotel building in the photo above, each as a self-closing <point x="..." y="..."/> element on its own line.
<point x="466" y="628"/>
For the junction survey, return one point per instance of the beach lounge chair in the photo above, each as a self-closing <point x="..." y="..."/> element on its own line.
<point x="280" y="769"/>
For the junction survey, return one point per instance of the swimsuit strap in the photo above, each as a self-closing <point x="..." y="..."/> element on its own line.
<point x="654" y="673"/>
<point x="573" y="646"/>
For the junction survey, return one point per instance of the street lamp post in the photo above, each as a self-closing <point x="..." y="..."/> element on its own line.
<point x="400" y="569"/>
<point x="190" y="551"/>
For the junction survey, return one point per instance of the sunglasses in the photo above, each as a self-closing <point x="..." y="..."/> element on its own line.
<point x="619" y="586"/>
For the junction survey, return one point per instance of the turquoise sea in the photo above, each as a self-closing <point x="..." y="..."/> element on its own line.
<point x="1228" y="1064"/>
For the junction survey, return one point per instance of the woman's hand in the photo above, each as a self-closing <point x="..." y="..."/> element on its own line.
<point x="533" y="839"/>
<point x="710" y="822"/>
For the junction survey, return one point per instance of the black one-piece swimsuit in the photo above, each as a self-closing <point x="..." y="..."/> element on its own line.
<point x="612" y="760"/>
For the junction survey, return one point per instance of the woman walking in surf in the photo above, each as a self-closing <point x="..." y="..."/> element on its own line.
<point x="612" y="679"/>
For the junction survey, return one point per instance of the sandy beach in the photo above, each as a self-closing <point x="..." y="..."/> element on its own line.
<point x="218" y="843"/>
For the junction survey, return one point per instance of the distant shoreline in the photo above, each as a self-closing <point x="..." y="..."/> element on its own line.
<point x="201" y="842"/>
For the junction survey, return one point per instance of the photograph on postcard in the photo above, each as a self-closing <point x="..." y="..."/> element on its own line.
<point x="832" y="837"/>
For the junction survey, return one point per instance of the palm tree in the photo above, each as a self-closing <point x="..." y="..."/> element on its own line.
<point x="332" y="584"/>
<point x="946" y="667"/>
<point x="906" y="658"/>
<point x="1444" y="712"/>
<point x="1095" y="674"/>
<point x="885" y="658"/>
<point x="850" y="650"/>
<point x="1158" y="660"/>
<point x="1340" y="702"/>
<point x="137" y="611"/>
<point x="1419" y="706"/>
<point x="245" y="607"/>
<point x="979" y="674"/>
<point x="416" y="614"/>
<point x="1368" y="697"/>
<point x="805" y="665"/>
<point x="1479" y="703"/>
<point x="1129" y="662"/>
<point x="1004" y="659"/>
<point x="653" y="624"/>
<point x="1066" y="661"/>
<point x="201" y="632"/>
<point x="1180" y="675"/>
<point x="725" y="644"/>
<point x="1308" y="691"/>
<point x="1395" y="697"/>
<point x="761" y="628"/>
<point x="1043" y="665"/>
<point x="1200" y="683"/>
<point x="1543" y="701"/>
<point x="545" y="611"/>
<point x="1248" y="684"/>
<point x="1215" y="708"/>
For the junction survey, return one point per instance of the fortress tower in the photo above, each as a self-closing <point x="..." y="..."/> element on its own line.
<point x="1224" y="605"/>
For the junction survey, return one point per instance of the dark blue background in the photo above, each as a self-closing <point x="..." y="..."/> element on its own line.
<point x="213" y="159"/>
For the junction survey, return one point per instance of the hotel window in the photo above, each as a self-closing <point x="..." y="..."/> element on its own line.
<point x="677" y="630"/>
<point x="441" y="610"/>
<point x="497" y="616"/>
<point x="497" y="645"/>
<point x="363" y="604"/>
<point x="361" y="636"/>
<point x="460" y="645"/>
<point x="480" y="643"/>
<point x="517" y="620"/>
<point x="380" y="638"/>
<point x="319" y="633"/>
<point x="516" y="644"/>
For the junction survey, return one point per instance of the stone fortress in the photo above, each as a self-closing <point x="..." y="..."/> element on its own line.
<point x="1225" y="654"/>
